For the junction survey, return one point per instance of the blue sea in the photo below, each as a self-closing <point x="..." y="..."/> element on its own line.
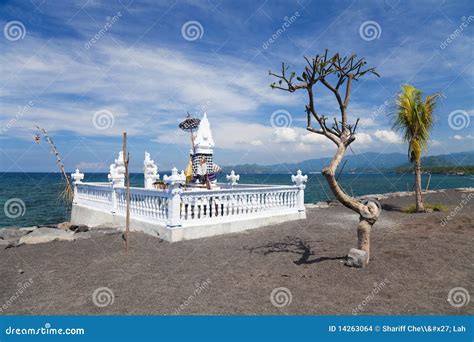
<point x="39" y="191"/>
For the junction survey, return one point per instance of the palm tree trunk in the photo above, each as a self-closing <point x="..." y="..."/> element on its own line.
<point x="418" y="195"/>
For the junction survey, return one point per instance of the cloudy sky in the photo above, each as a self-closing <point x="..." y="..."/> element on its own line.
<point x="86" y="70"/>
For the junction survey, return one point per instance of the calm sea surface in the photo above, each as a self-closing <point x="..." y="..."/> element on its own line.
<point x="39" y="191"/>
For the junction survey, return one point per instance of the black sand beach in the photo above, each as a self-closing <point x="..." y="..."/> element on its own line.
<point x="415" y="261"/>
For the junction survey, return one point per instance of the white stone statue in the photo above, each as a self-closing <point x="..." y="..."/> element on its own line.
<point x="117" y="171"/>
<point x="150" y="172"/>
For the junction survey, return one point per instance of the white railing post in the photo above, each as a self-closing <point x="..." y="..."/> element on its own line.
<point x="114" y="199"/>
<point x="174" y="183"/>
<point x="300" y="181"/>
<point x="77" y="177"/>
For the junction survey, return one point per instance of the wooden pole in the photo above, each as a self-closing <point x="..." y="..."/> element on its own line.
<point x="127" y="179"/>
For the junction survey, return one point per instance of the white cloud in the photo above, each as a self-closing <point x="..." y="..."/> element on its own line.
<point x="139" y="86"/>
<point x="388" y="136"/>
<point x="284" y="135"/>
<point x="463" y="137"/>
<point x="363" y="138"/>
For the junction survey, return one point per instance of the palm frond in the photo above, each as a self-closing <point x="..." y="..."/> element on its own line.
<point x="413" y="118"/>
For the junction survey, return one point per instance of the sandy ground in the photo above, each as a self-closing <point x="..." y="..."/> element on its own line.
<point x="415" y="262"/>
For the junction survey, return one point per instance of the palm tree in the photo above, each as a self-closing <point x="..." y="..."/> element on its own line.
<point x="413" y="117"/>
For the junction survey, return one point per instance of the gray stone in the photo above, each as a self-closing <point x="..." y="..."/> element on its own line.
<point x="428" y="210"/>
<point x="401" y="194"/>
<point x="29" y="229"/>
<point x="464" y="189"/>
<point x="322" y="205"/>
<point x="5" y="242"/>
<point x="11" y="233"/>
<point x="81" y="228"/>
<point x="42" y="235"/>
<point x="64" y="225"/>
<point x="356" y="258"/>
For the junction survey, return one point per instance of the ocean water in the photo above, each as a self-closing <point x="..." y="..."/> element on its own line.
<point x="39" y="191"/>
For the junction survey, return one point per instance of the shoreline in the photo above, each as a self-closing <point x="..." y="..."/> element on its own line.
<point x="310" y="205"/>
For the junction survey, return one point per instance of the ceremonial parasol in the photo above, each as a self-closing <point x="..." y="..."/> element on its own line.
<point x="188" y="125"/>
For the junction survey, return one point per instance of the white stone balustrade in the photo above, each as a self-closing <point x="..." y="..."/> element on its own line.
<point x="232" y="178"/>
<point x="180" y="212"/>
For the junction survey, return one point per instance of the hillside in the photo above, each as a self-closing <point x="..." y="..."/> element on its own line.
<point x="364" y="162"/>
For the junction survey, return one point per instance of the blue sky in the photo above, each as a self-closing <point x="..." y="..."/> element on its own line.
<point x="87" y="70"/>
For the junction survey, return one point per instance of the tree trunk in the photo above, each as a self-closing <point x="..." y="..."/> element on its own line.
<point x="418" y="195"/>
<point x="369" y="212"/>
<point x="363" y="235"/>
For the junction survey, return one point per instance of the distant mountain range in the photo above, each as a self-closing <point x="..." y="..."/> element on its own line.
<point x="364" y="162"/>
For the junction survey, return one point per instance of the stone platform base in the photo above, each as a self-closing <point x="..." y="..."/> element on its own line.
<point x="188" y="230"/>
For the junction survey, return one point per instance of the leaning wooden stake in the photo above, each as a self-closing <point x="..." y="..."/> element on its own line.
<point x="127" y="179"/>
<point x="428" y="184"/>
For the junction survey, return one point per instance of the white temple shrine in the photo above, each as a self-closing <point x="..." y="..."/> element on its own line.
<point x="186" y="205"/>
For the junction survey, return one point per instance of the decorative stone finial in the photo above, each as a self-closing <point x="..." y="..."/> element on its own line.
<point x="203" y="140"/>
<point x="232" y="178"/>
<point x="299" y="179"/>
<point x="175" y="178"/>
<point x="77" y="176"/>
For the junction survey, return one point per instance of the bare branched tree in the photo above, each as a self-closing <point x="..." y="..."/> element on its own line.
<point x="337" y="74"/>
